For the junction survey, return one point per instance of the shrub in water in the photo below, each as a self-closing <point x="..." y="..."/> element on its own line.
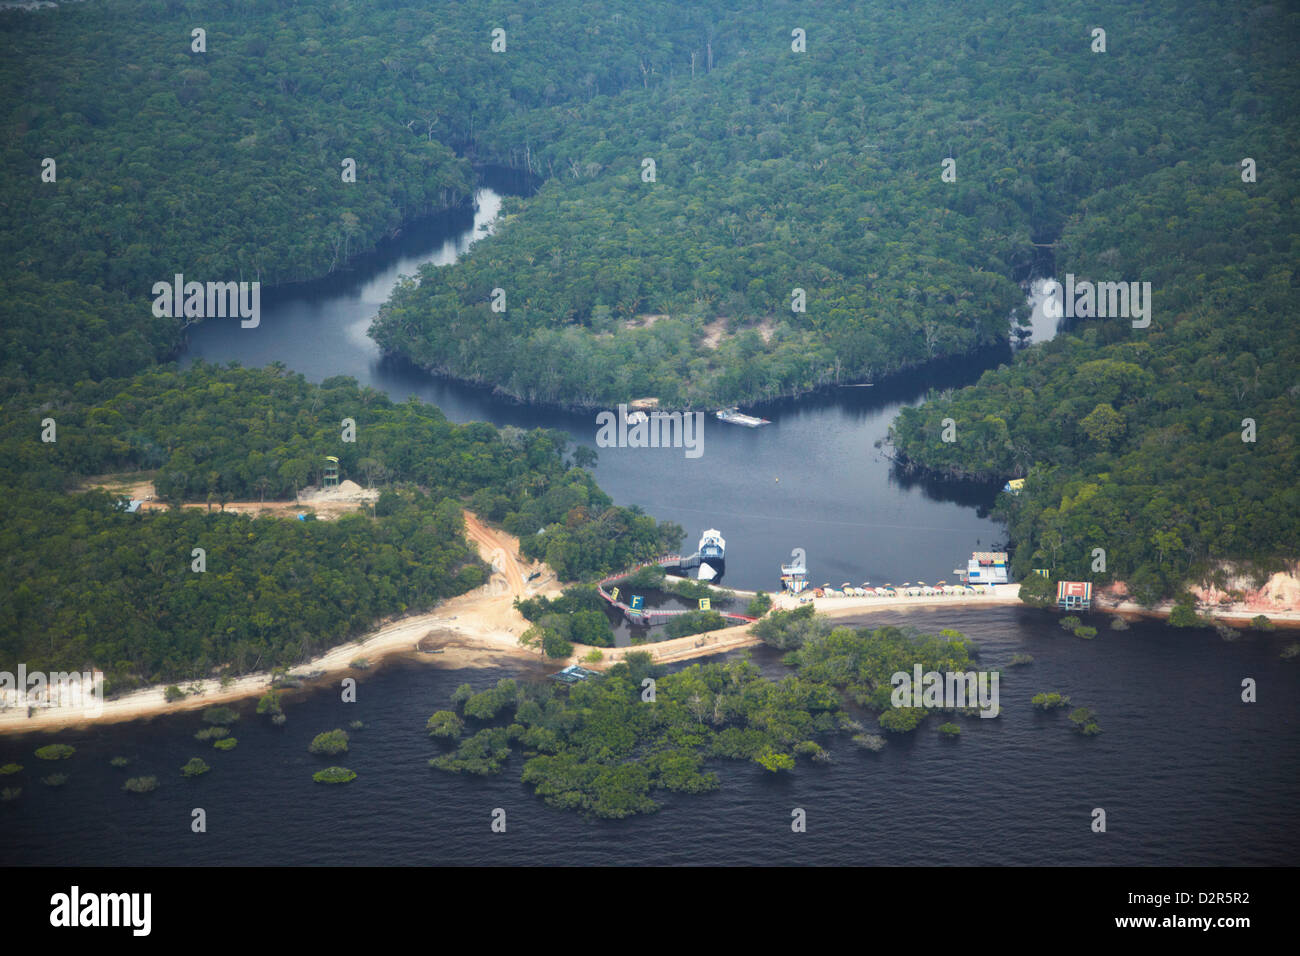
<point x="334" y="775"/>
<point x="55" y="752"/>
<point x="330" y="743"/>
<point x="221" y="716"/>
<point x="446" y="724"/>
<point x="1049" y="701"/>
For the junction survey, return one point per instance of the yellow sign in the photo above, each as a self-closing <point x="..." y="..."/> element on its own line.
<point x="614" y="594"/>
<point x="704" y="604"/>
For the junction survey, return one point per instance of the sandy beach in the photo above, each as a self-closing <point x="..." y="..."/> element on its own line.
<point x="482" y="628"/>
<point x="477" y="629"/>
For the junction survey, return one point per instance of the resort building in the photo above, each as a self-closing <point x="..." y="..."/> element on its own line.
<point x="1074" y="595"/>
<point x="987" y="567"/>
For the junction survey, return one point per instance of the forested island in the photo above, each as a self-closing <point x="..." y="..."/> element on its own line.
<point x="604" y="747"/>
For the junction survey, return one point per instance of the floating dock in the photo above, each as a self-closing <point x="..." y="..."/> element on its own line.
<point x="736" y="417"/>
<point x="650" y="617"/>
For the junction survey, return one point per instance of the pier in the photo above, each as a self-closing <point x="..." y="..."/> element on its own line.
<point x="649" y="617"/>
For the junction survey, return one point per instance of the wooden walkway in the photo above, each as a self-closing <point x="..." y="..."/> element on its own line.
<point x="649" y="617"/>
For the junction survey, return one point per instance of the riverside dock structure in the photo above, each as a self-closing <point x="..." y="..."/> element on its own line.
<point x="653" y="616"/>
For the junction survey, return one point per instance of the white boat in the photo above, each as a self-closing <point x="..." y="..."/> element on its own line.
<point x="736" y="417"/>
<point x="713" y="554"/>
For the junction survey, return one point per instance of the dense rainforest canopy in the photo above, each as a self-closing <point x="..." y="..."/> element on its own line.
<point x="1174" y="448"/>
<point x="85" y="583"/>
<point x="774" y="170"/>
<point x="822" y="171"/>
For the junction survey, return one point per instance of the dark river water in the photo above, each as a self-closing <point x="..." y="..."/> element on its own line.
<point x="1186" y="772"/>
<point x="813" y="479"/>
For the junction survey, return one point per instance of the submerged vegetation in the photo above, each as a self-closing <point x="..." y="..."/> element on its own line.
<point x="445" y="723"/>
<point x="140" y="784"/>
<point x="334" y="775"/>
<point x="220" y="716"/>
<point x="694" y="622"/>
<point x="602" y="748"/>
<point x="269" y="703"/>
<point x="55" y="752"/>
<point x="1050" y="700"/>
<point x="195" y="767"/>
<point x="330" y="743"/>
<point x="1082" y="719"/>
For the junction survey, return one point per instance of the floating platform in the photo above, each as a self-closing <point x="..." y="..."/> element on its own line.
<point x="736" y="417"/>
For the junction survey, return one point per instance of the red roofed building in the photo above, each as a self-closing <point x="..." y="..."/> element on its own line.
<point x="1074" y="595"/>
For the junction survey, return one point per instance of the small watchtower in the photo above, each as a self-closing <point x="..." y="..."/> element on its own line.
<point x="331" y="478"/>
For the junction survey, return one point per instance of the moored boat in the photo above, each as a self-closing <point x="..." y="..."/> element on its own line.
<point x="736" y="417"/>
<point x="713" y="553"/>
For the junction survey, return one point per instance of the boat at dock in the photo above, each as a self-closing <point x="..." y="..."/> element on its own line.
<point x="713" y="554"/>
<point x="794" y="577"/>
<point x="736" y="417"/>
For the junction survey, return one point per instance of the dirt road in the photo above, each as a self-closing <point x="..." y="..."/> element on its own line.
<point x="498" y="549"/>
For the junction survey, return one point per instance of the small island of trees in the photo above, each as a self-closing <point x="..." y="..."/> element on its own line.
<point x="55" y="752"/>
<point x="330" y="743"/>
<point x="334" y="775"/>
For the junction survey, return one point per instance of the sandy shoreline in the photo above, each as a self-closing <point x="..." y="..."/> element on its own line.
<point x="477" y="629"/>
<point x="482" y="629"/>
